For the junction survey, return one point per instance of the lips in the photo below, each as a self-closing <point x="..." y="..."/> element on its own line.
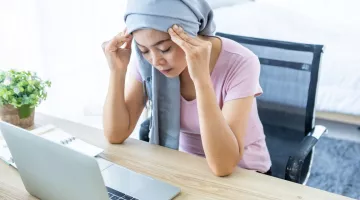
<point x="165" y="71"/>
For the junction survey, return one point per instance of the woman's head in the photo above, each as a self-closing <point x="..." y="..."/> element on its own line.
<point x="160" y="51"/>
<point x="149" y="21"/>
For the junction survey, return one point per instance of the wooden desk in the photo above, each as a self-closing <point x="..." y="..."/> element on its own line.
<point x="189" y="172"/>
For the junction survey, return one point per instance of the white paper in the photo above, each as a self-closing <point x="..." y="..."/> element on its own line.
<point x="68" y="140"/>
<point x="5" y="153"/>
<point x="57" y="136"/>
<point x="84" y="147"/>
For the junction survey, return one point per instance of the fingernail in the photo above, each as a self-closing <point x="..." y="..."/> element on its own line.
<point x="176" y="26"/>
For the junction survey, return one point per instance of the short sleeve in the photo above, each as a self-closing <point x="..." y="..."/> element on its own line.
<point x="243" y="79"/>
<point x="134" y="69"/>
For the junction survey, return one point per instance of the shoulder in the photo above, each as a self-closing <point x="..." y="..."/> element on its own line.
<point x="237" y="52"/>
<point x="240" y="70"/>
<point x="237" y="60"/>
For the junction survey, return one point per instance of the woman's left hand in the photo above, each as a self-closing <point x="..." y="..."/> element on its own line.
<point x="197" y="53"/>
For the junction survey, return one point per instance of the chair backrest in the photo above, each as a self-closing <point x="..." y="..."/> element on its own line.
<point x="289" y="76"/>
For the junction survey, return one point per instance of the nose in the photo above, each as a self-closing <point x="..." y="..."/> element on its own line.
<point x="157" y="59"/>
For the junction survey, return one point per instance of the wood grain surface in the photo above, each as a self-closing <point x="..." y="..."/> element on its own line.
<point x="189" y="172"/>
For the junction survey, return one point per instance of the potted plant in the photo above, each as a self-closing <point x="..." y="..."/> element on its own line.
<point x="20" y="93"/>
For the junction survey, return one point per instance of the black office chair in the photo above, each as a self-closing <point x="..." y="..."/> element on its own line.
<point x="289" y="77"/>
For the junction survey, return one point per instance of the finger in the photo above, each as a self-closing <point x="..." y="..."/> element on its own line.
<point x="104" y="44"/>
<point x="121" y="38"/>
<point x="179" y="41"/>
<point x="124" y="32"/>
<point x="183" y="35"/>
<point x="128" y="44"/>
<point x="118" y="41"/>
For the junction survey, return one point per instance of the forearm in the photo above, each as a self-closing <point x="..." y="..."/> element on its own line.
<point x="116" y="118"/>
<point x="219" y="142"/>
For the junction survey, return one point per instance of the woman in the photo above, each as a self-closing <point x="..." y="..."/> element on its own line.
<point x="219" y="81"/>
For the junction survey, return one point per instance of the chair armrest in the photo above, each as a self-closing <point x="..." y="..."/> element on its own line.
<point x="295" y="162"/>
<point x="145" y="130"/>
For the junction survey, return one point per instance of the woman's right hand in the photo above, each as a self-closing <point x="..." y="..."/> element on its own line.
<point x="118" y="51"/>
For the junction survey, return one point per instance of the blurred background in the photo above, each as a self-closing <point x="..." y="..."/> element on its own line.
<point x="61" y="41"/>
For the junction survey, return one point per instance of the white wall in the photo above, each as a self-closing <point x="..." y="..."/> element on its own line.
<point x="71" y="36"/>
<point x="19" y="35"/>
<point x="333" y="23"/>
<point x="62" y="41"/>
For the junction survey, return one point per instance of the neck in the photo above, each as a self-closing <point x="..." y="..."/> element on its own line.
<point x="215" y="51"/>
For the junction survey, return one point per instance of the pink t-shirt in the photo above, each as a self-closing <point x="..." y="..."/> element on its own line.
<point x="235" y="75"/>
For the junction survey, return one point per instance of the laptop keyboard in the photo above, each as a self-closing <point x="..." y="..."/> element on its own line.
<point x="116" y="195"/>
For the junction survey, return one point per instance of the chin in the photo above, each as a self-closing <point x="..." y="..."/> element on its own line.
<point x="172" y="74"/>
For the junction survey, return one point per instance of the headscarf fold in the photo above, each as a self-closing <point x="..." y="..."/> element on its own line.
<point x="196" y="18"/>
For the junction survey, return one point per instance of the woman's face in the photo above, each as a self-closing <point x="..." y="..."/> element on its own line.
<point x="159" y="50"/>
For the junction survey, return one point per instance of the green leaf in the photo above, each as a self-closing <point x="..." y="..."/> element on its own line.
<point x="5" y="97"/>
<point x="20" y="88"/>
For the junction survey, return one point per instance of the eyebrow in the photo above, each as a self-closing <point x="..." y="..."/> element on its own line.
<point x="157" y="43"/>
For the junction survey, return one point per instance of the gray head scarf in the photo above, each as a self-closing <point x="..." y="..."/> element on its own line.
<point x="196" y="18"/>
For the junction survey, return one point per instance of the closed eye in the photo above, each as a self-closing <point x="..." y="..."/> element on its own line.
<point x="144" y="52"/>
<point x="162" y="51"/>
<point x="167" y="50"/>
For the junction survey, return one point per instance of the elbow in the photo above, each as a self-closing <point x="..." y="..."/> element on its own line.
<point x="222" y="171"/>
<point x="114" y="138"/>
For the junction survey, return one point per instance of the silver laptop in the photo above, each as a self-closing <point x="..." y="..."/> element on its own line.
<point x="51" y="171"/>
